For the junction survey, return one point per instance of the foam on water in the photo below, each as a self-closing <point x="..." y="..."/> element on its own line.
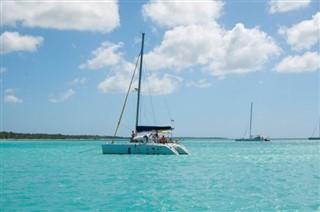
<point x="218" y="175"/>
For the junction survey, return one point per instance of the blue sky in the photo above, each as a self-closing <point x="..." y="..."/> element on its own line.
<point x="66" y="65"/>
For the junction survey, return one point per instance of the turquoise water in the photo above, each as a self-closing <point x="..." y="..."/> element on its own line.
<point x="219" y="175"/>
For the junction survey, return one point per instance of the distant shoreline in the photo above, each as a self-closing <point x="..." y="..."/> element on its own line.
<point x="44" y="136"/>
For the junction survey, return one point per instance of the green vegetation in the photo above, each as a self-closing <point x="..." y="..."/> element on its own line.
<point x="13" y="135"/>
<point x="17" y="136"/>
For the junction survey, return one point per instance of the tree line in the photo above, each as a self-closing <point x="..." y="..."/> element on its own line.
<point x="13" y="135"/>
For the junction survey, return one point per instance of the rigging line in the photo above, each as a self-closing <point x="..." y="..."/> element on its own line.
<point x="168" y="109"/>
<point x="318" y="123"/>
<point x="245" y="132"/>
<point x="125" y="101"/>
<point x="154" y="117"/>
<point x="144" y="111"/>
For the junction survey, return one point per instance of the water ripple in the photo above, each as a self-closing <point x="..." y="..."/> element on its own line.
<point x="217" y="176"/>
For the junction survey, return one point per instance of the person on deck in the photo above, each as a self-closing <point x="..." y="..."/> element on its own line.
<point x="163" y="140"/>
<point x="132" y="136"/>
<point x="156" y="137"/>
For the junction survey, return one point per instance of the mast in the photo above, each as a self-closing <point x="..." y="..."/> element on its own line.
<point x="139" y="84"/>
<point x="250" y="120"/>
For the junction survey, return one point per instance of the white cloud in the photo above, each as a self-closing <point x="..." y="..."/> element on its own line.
<point x="154" y="85"/>
<point x="178" y="51"/>
<point x="13" y="41"/>
<point x="170" y="14"/>
<point x="109" y="56"/>
<point x="119" y="81"/>
<point x="203" y="83"/>
<point x="161" y="85"/>
<point x="10" y="97"/>
<point x="9" y="91"/>
<point x="304" y="34"/>
<point x="104" y="56"/>
<point x="243" y="51"/>
<point x="196" y="40"/>
<point x="309" y="62"/>
<point x="2" y="70"/>
<point x="209" y="47"/>
<point x="63" y="96"/>
<point x="99" y="16"/>
<point x="79" y="81"/>
<point x="280" y="6"/>
<point x="217" y="51"/>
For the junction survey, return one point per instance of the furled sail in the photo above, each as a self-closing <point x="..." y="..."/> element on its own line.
<point x="153" y="128"/>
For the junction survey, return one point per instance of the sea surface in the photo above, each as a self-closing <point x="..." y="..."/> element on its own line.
<point x="219" y="175"/>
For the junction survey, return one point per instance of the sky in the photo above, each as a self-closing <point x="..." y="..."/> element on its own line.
<point x="66" y="66"/>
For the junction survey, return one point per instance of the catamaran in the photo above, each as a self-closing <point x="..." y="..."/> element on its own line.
<point x="253" y="137"/>
<point x="315" y="137"/>
<point x="145" y="139"/>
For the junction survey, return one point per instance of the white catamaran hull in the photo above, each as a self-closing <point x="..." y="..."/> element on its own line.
<point x="181" y="149"/>
<point x="136" y="148"/>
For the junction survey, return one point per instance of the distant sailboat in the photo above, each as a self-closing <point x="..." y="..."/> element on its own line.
<point x="253" y="137"/>
<point x="145" y="139"/>
<point x="315" y="137"/>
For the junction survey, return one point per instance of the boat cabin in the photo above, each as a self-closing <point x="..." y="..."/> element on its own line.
<point x="141" y="139"/>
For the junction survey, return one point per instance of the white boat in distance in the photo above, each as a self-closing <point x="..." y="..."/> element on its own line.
<point x="146" y="139"/>
<point x="253" y="137"/>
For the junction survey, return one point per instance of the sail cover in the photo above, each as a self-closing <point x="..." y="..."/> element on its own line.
<point x="153" y="128"/>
